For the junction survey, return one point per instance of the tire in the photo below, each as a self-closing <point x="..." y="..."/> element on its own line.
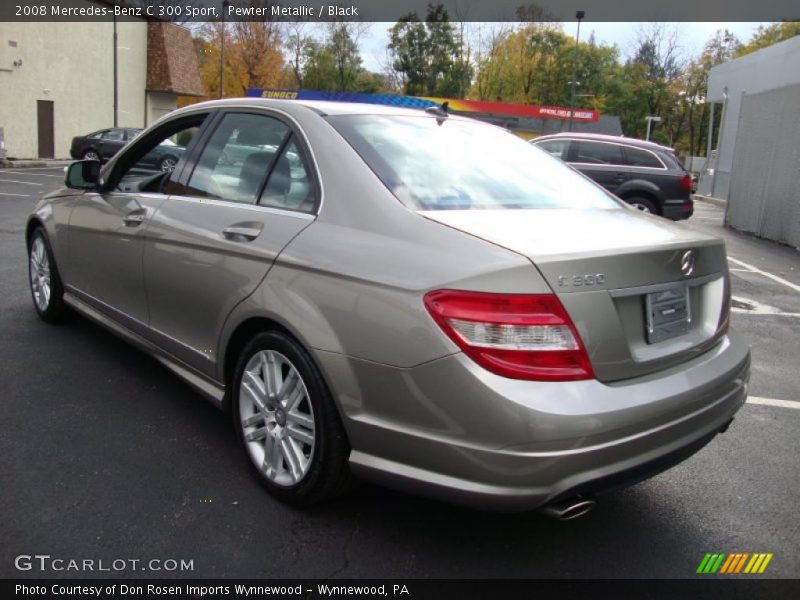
<point x="90" y="155"/>
<point x="167" y="164"/>
<point x="44" y="281"/>
<point x="643" y="204"/>
<point x="298" y="450"/>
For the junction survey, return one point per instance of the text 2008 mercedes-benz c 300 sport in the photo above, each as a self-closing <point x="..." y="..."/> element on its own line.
<point x="407" y="296"/>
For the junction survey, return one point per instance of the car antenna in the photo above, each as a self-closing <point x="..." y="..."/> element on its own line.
<point x="439" y="111"/>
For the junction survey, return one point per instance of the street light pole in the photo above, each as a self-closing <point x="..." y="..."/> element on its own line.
<point x="578" y="15"/>
<point x="225" y="5"/>
<point x="650" y="119"/>
<point x="116" y="77"/>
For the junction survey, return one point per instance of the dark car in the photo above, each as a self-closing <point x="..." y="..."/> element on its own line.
<point x="643" y="174"/>
<point x="102" y="145"/>
<point x="163" y="157"/>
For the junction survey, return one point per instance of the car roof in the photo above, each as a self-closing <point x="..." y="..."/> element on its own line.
<point x="321" y="107"/>
<point x="620" y="139"/>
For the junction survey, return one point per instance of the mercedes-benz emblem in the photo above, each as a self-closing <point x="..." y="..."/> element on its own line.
<point x="687" y="263"/>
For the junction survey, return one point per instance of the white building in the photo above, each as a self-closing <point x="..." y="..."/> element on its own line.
<point x="57" y="80"/>
<point x="757" y="164"/>
<point x="771" y="68"/>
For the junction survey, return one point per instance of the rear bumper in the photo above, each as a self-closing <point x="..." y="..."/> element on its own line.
<point x="451" y="430"/>
<point x="678" y="210"/>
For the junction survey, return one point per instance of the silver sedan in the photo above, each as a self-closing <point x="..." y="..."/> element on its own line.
<point x="408" y="297"/>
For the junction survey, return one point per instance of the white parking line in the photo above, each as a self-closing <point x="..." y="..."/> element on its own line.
<point x="758" y="308"/>
<point x="22" y="182"/>
<point x="10" y="194"/>
<point x="32" y="174"/>
<point x="772" y="402"/>
<point x="753" y="269"/>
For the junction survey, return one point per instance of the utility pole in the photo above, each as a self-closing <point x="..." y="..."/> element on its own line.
<point x="225" y="4"/>
<point x="116" y="78"/>
<point x="574" y="83"/>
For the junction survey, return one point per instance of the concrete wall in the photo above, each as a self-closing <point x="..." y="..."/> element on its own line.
<point x="159" y="104"/>
<point x="772" y="67"/>
<point x="764" y="193"/>
<point x="70" y="64"/>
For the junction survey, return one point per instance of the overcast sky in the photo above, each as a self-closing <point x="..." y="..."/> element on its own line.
<point x="693" y="37"/>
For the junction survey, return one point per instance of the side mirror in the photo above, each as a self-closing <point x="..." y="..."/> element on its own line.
<point x="83" y="175"/>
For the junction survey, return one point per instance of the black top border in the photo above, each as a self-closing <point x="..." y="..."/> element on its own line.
<point x="188" y="11"/>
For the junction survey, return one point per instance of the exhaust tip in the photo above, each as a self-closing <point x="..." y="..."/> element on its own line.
<point x="570" y="509"/>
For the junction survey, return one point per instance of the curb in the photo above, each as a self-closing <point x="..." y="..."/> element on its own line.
<point x="710" y="200"/>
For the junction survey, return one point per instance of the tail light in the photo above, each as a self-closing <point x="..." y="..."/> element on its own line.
<point x="686" y="182"/>
<point x="522" y="336"/>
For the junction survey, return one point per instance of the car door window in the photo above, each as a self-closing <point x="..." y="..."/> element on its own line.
<point x="237" y="158"/>
<point x="114" y="135"/>
<point x="290" y="185"/>
<point x="599" y="153"/>
<point x="557" y="148"/>
<point x="147" y="167"/>
<point x="636" y="157"/>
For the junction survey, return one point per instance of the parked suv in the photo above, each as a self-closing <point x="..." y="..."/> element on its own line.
<point x="643" y="174"/>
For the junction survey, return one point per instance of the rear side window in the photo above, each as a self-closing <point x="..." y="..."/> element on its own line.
<point x="115" y="135"/>
<point x="234" y="164"/>
<point x="636" y="157"/>
<point x="599" y="153"/>
<point x="557" y="148"/>
<point x="290" y="184"/>
<point x="460" y="164"/>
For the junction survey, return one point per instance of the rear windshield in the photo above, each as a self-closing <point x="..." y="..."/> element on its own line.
<point x="455" y="164"/>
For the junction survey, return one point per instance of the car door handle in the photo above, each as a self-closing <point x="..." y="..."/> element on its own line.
<point x="238" y="233"/>
<point x="135" y="218"/>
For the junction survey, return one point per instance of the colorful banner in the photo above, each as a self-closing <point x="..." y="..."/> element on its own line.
<point x="465" y="106"/>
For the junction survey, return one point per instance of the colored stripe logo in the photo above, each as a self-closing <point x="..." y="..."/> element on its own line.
<point x="734" y="563"/>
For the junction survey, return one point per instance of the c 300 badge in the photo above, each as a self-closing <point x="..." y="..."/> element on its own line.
<point x="581" y="280"/>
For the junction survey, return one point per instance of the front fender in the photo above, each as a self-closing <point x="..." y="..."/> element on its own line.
<point x="53" y="214"/>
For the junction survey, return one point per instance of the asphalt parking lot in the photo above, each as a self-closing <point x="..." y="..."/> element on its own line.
<point x="106" y="455"/>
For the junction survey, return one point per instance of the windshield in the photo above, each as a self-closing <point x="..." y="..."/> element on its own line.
<point x="454" y="164"/>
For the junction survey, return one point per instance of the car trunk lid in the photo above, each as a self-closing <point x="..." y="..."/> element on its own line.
<point x="644" y="293"/>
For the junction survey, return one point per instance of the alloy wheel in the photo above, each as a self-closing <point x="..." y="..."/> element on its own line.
<point x="168" y="164"/>
<point x="277" y="418"/>
<point x="90" y="155"/>
<point x="641" y="207"/>
<point x="40" y="274"/>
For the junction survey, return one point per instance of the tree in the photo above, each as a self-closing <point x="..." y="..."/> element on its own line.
<point x="255" y="53"/>
<point x="342" y="44"/>
<point x="533" y="64"/>
<point x="427" y="56"/>
<point x="252" y="56"/>
<point x="721" y="47"/>
<point x="297" y="44"/>
<point x="771" y="34"/>
<point x="332" y="62"/>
